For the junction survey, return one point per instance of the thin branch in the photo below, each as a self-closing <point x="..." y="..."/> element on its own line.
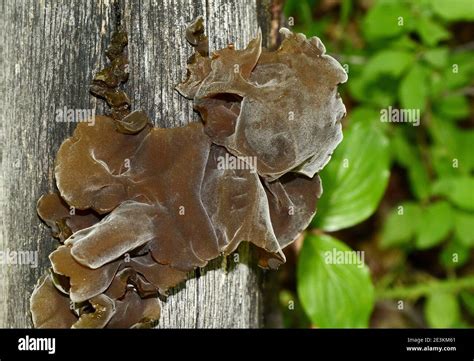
<point x="420" y="290"/>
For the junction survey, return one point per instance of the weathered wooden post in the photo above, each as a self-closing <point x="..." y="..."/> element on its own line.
<point x="48" y="53"/>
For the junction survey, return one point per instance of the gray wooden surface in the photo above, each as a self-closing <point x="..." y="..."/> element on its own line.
<point x="48" y="53"/>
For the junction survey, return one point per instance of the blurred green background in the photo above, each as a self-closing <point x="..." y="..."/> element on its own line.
<point x="402" y="194"/>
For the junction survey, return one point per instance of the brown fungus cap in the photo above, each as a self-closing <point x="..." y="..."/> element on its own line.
<point x="165" y="175"/>
<point x="49" y="307"/>
<point x="163" y="277"/>
<point x="128" y="278"/>
<point x="156" y="203"/>
<point x="103" y="311"/>
<point x="196" y="36"/>
<point x="194" y="208"/>
<point x="62" y="219"/>
<point x="292" y="202"/>
<point x="290" y="108"/>
<point x="127" y="227"/>
<point x="132" y="311"/>
<point x="236" y="203"/>
<point x="85" y="282"/>
<point x="90" y="166"/>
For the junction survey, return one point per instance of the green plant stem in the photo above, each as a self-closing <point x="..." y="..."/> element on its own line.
<point x="420" y="290"/>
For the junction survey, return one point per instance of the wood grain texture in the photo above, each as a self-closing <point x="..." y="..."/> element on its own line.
<point x="48" y="53"/>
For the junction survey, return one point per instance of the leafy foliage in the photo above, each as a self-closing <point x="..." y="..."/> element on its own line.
<point x="355" y="179"/>
<point x="403" y="55"/>
<point x="401" y="225"/>
<point x="442" y="310"/>
<point x="333" y="294"/>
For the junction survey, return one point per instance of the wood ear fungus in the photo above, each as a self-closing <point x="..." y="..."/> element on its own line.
<point x="152" y="204"/>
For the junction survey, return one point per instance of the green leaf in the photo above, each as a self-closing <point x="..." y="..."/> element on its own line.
<point x="400" y="225"/>
<point x="292" y="311"/>
<point x="453" y="107"/>
<point x="418" y="176"/>
<point x="454" y="9"/>
<point x="464" y="228"/>
<point x="382" y="92"/>
<point x="442" y="310"/>
<point x="402" y="151"/>
<point x="459" y="190"/>
<point x="408" y="156"/>
<point x="413" y="90"/>
<point x="392" y="62"/>
<point x="376" y="82"/>
<point x="333" y="293"/>
<point x="454" y="255"/>
<point x="355" y="179"/>
<point x="317" y="28"/>
<point x="456" y="75"/>
<point x="300" y="9"/>
<point x="437" y="57"/>
<point x="437" y="85"/>
<point x="403" y="42"/>
<point x="451" y="150"/>
<point x="435" y="224"/>
<point x="464" y="61"/>
<point x="467" y="298"/>
<point x="345" y="11"/>
<point x="431" y="33"/>
<point x="386" y="20"/>
<point x="357" y="86"/>
<point x="465" y="155"/>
